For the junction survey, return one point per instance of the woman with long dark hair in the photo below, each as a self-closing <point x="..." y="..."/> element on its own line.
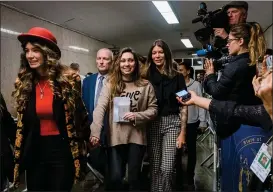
<point x="127" y="140"/>
<point x="52" y="120"/>
<point x="168" y="130"/>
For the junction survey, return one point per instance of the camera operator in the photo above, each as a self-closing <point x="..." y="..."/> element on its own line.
<point x="227" y="111"/>
<point x="246" y="43"/>
<point x="237" y="13"/>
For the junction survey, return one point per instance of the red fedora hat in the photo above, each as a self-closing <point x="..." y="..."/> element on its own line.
<point x="41" y="34"/>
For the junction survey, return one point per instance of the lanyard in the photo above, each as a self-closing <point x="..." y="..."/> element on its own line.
<point x="269" y="140"/>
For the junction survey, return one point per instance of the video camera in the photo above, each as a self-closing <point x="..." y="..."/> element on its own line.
<point x="220" y="58"/>
<point x="213" y="47"/>
<point x="211" y="19"/>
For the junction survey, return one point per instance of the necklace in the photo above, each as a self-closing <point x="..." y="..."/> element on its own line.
<point x="41" y="90"/>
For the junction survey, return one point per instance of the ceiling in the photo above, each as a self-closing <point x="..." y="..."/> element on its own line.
<point x="134" y="23"/>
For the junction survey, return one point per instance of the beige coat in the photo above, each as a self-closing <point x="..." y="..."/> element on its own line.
<point x="143" y="103"/>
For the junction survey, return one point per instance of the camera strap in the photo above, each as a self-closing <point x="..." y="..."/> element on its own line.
<point x="269" y="140"/>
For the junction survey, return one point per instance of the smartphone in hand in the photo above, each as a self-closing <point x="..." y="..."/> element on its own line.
<point x="269" y="63"/>
<point x="185" y="95"/>
<point x="259" y="67"/>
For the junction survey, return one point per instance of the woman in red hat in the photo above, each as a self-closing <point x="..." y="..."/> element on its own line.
<point x="52" y="120"/>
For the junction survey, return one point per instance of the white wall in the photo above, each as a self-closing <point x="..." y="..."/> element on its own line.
<point x="11" y="49"/>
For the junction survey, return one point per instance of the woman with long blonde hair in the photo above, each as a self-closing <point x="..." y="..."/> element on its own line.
<point x="246" y="44"/>
<point x="127" y="140"/>
<point x="52" y="120"/>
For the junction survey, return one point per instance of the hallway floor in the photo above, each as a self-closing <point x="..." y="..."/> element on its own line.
<point x="203" y="178"/>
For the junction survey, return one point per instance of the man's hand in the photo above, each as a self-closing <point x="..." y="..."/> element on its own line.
<point x="220" y="32"/>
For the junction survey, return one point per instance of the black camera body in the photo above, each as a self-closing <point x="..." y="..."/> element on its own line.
<point x="219" y="64"/>
<point x="210" y="19"/>
<point x="213" y="47"/>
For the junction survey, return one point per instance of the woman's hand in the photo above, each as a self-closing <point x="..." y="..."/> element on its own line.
<point x="263" y="68"/>
<point x="94" y="141"/>
<point x="130" y="116"/>
<point x="208" y="67"/>
<point x="191" y="101"/>
<point x="263" y="86"/>
<point x="181" y="140"/>
<point x="256" y="82"/>
<point x="263" y="90"/>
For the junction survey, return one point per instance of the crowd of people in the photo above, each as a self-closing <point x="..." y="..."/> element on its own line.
<point x="62" y="116"/>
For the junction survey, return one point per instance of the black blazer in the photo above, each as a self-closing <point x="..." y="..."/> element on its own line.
<point x="229" y="113"/>
<point x="32" y="125"/>
<point x="8" y="132"/>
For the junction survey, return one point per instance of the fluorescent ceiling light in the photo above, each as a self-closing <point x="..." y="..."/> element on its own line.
<point x="187" y="43"/>
<point x="9" y="31"/>
<point x="166" y="11"/>
<point x="78" y="48"/>
<point x="194" y="54"/>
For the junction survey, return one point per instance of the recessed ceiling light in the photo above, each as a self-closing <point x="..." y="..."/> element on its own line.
<point x="78" y="48"/>
<point x="166" y="11"/>
<point x="9" y="31"/>
<point x="187" y="43"/>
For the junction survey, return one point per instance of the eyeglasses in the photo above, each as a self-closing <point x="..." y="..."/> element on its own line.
<point x="230" y="40"/>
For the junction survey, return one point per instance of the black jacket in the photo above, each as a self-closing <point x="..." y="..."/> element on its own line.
<point x="165" y="90"/>
<point x="235" y="83"/>
<point x="8" y="133"/>
<point x="28" y="132"/>
<point x="227" y="112"/>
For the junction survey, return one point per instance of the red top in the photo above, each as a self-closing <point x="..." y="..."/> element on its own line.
<point x="44" y="110"/>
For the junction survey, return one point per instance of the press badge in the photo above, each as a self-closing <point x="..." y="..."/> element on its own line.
<point x="262" y="163"/>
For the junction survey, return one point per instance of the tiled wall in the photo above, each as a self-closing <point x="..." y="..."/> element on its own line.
<point x="11" y="49"/>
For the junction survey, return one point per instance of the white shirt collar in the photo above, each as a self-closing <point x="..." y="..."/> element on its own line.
<point x="101" y="75"/>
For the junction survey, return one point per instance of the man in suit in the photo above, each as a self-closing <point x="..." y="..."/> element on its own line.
<point x="91" y="89"/>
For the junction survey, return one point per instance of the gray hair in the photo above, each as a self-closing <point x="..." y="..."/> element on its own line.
<point x="106" y="49"/>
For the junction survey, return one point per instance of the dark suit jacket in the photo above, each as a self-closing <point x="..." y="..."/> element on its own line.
<point x="88" y="96"/>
